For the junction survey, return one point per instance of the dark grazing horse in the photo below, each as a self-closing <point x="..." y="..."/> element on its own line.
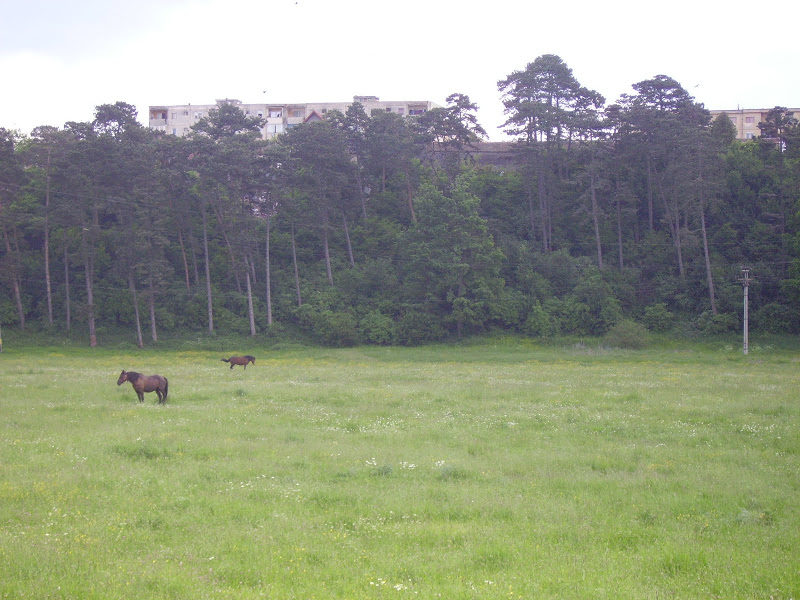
<point x="146" y="383"/>
<point x="240" y="360"/>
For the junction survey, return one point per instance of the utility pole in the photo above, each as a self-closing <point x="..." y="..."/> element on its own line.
<point x="745" y="279"/>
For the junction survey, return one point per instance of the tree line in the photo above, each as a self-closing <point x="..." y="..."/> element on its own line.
<point x="387" y="229"/>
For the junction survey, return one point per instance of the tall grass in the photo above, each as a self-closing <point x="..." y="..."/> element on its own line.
<point x="499" y="469"/>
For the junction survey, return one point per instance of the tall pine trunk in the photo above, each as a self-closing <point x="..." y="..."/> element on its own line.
<point x="267" y="276"/>
<point x="47" y="243"/>
<point x="410" y="194"/>
<point x="132" y="287"/>
<point x="543" y="211"/>
<point x="88" y="270"/>
<point x="347" y="238"/>
<point x="15" y="281"/>
<point x="208" y="272"/>
<point x="250" y="313"/>
<point x="231" y="255"/>
<point x="67" y="298"/>
<point x="706" y="254"/>
<point x="185" y="262"/>
<point x="296" y="271"/>
<point x="361" y="194"/>
<point x="151" y="305"/>
<point x="649" y="194"/>
<point x="195" y="268"/>
<point x="709" y="277"/>
<point x="326" y="249"/>
<point x="619" y="230"/>
<point x="596" y="220"/>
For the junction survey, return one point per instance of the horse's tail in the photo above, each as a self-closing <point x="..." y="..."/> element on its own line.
<point x="225" y="359"/>
<point x="166" y="388"/>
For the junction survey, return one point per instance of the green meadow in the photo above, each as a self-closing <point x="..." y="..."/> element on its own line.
<point x="497" y="469"/>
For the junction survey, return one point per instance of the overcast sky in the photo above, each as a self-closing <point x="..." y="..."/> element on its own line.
<point x="58" y="59"/>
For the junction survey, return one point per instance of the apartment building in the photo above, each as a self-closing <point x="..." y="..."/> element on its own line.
<point x="746" y="120"/>
<point x="178" y="119"/>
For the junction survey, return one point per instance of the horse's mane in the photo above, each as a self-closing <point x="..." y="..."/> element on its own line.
<point x="132" y="375"/>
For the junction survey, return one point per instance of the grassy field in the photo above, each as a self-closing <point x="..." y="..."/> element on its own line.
<point x="494" y="470"/>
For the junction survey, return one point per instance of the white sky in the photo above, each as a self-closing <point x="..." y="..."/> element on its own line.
<point x="58" y="59"/>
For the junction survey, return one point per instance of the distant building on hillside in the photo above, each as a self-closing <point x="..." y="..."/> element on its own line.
<point x="278" y="117"/>
<point x="746" y="120"/>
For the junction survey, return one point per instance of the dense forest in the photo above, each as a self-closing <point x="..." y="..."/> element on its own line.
<point x="390" y="230"/>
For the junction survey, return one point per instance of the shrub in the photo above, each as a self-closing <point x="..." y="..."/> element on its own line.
<point x="334" y="328"/>
<point x="627" y="334"/>
<point x="657" y="317"/>
<point x="711" y="324"/>
<point x="377" y="328"/>
<point x="540" y="323"/>
<point x="417" y="327"/>
<point x="776" y="318"/>
<point x="509" y="309"/>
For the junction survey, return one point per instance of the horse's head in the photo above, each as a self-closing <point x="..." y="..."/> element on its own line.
<point x="123" y="377"/>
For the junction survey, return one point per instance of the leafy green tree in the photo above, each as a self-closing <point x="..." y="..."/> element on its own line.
<point x="227" y="157"/>
<point x="228" y="121"/>
<point x="319" y="164"/>
<point x="12" y="177"/>
<point x="660" y="117"/>
<point x="546" y="108"/>
<point x="448" y="134"/>
<point x="453" y="266"/>
<point x="723" y="131"/>
<point x="391" y="150"/>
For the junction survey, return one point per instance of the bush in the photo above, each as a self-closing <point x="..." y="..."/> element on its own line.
<point x="540" y="323"/>
<point x="509" y="309"/>
<point x="334" y="328"/>
<point x="627" y="334"/>
<point x="776" y="318"/>
<point x="711" y="324"/>
<point x="377" y="328"/>
<point x="417" y="327"/>
<point x="658" y="318"/>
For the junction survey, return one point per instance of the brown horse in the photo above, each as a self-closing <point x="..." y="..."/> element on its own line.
<point x="240" y="360"/>
<point x="146" y="383"/>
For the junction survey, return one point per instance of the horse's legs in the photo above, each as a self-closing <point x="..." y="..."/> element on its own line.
<point x="141" y="395"/>
<point x="160" y="396"/>
<point x="231" y="366"/>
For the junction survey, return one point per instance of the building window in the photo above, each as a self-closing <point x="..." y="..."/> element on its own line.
<point x="416" y="111"/>
<point x="400" y="110"/>
<point x="388" y="109"/>
<point x="261" y="114"/>
<point x="275" y="113"/>
<point x="749" y="135"/>
<point x="174" y="115"/>
<point x="297" y="114"/>
<point x="174" y="131"/>
<point x="198" y="115"/>
<point x="749" y="119"/>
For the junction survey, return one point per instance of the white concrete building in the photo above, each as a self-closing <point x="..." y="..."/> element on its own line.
<point x="178" y="119"/>
<point x="746" y="120"/>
